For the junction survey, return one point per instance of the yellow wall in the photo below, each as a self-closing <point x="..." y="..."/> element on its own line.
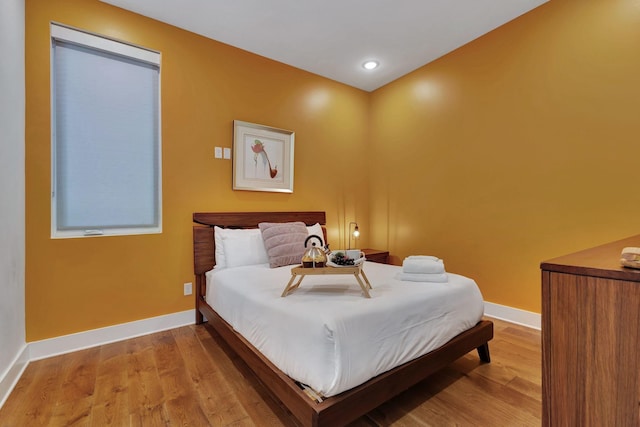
<point x="513" y="149"/>
<point x="517" y="147"/>
<point x="79" y="284"/>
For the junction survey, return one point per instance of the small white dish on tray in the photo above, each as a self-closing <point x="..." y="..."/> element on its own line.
<point x="356" y="262"/>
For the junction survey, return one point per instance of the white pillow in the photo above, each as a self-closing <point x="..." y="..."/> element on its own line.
<point x="238" y="246"/>
<point x="317" y="230"/>
<point x="244" y="250"/>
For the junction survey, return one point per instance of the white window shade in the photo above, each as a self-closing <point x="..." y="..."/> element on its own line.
<point x="106" y="139"/>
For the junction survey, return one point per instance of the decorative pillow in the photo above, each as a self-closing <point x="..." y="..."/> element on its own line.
<point x="238" y="247"/>
<point x="317" y="230"/>
<point x="284" y="242"/>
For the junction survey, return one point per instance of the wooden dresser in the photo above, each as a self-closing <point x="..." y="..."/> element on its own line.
<point x="591" y="339"/>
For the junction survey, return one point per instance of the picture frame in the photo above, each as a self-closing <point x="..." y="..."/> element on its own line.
<point x="262" y="158"/>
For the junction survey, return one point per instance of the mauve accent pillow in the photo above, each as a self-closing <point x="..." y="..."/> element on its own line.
<point x="284" y="242"/>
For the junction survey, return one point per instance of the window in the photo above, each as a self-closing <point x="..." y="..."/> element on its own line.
<point x="106" y="150"/>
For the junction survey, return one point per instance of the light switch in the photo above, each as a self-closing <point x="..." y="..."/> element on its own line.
<point x="227" y="153"/>
<point x="218" y="152"/>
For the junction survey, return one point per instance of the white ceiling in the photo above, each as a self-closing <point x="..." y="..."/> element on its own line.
<point x="333" y="38"/>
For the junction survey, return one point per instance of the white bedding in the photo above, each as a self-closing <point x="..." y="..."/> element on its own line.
<point x="327" y="335"/>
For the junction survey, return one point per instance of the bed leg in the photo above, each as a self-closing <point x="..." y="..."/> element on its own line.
<point x="483" y="353"/>
<point x="199" y="291"/>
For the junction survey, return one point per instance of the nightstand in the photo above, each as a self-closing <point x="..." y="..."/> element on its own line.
<point x="376" y="255"/>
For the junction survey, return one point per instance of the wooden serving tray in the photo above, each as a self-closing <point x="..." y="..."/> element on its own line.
<point x="300" y="272"/>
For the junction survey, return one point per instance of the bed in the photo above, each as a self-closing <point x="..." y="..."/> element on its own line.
<point x="351" y="398"/>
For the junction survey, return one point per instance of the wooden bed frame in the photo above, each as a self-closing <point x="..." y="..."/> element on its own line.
<point x="351" y="404"/>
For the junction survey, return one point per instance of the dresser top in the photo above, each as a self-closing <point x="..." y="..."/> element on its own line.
<point x="600" y="261"/>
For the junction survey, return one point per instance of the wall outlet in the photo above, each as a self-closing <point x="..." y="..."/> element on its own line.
<point x="188" y="288"/>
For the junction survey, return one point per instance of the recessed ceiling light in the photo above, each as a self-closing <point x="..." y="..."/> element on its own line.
<point x="370" y="65"/>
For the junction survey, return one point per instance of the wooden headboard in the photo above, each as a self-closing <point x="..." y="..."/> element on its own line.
<point x="204" y="245"/>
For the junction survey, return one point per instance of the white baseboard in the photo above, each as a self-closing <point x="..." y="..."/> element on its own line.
<point x="81" y="340"/>
<point x="513" y="315"/>
<point x="13" y="374"/>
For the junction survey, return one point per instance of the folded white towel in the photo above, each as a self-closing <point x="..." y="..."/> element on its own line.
<point x="429" y="257"/>
<point x="413" y="277"/>
<point x="422" y="266"/>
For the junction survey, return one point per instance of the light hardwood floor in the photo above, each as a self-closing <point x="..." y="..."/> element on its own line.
<point x="187" y="377"/>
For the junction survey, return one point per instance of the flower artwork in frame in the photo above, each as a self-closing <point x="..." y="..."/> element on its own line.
<point x="262" y="158"/>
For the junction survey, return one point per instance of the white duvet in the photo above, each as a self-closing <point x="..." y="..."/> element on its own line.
<point x="327" y="335"/>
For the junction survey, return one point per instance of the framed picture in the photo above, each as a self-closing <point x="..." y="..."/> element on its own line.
<point x="262" y="158"/>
